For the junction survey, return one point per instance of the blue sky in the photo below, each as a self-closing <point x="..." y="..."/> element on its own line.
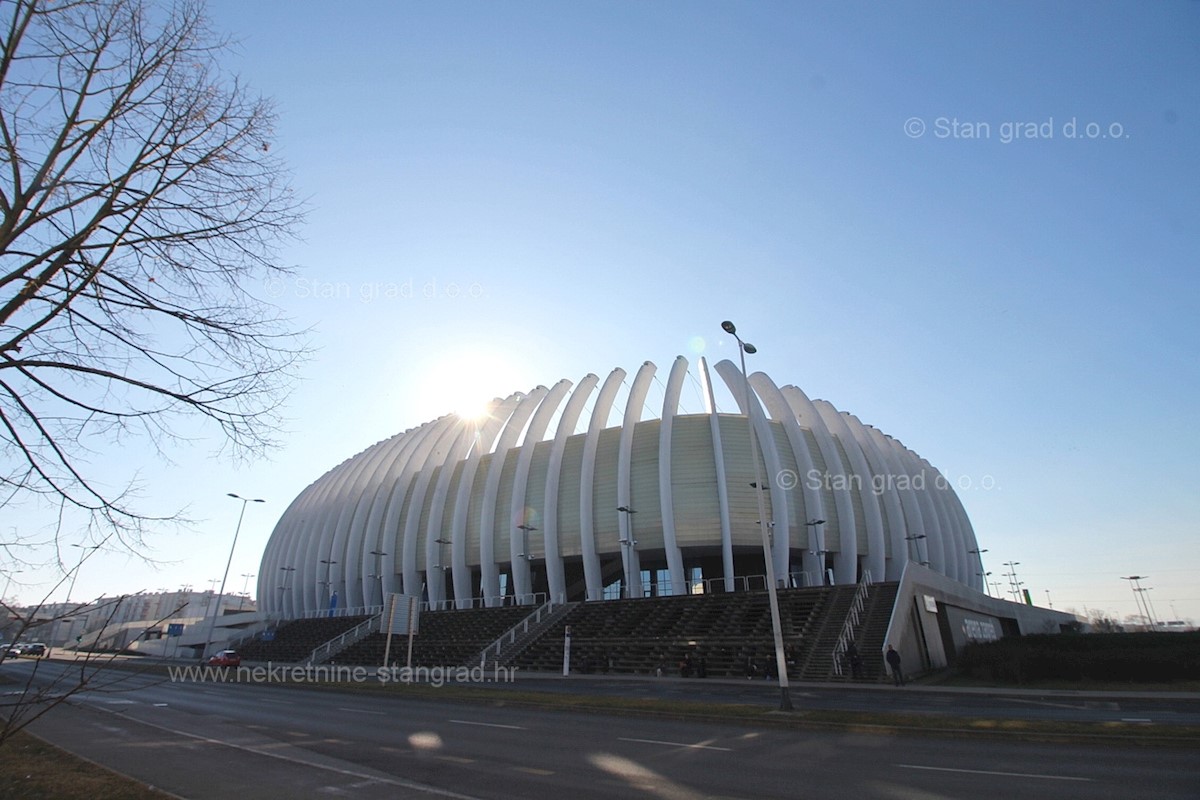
<point x="973" y="225"/>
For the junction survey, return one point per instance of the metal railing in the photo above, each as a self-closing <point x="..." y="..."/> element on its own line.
<point x="338" y="643"/>
<point x="852" y="618"/>
<point x="521" y="628"/>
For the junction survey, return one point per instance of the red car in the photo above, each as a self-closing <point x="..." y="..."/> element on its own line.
<point x="226" y="658"/>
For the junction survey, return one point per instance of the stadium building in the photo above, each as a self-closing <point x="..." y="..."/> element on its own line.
<point x="568" y="493"/>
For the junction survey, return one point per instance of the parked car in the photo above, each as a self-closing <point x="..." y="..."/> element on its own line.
<point x="36" y="649"/>
<point x="226" y="658"/>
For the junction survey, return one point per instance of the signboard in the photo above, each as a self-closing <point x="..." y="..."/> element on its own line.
<point x="174" y="629"/>
<point x="404" y="609"/>
<point x="931" y="604"/>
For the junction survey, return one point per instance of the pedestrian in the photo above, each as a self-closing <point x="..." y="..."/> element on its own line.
<point x="893" y="660"/>
<point x="854" y="660"/>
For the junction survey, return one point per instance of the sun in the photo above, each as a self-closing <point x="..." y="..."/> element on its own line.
<point x="467" y="380"/>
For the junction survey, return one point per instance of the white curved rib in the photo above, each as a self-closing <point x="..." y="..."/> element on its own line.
<point x="489" y="572"/>
<point x="714" y="424"/>
<point x="587" y="474"/>
<point x="666" y="496"/>
<point x="555" y="574"/>
<point x="519" y="557"/>
<point x="633" y="414"/>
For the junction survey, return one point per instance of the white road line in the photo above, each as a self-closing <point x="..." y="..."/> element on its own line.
<point x="990" y="772"/>
<point x="1043" y="703"/>
<point x="486" y="724"/>
<point x="1136" y="719"/>
<point x="259" y="751"/>
<point x="279" y="702"/>
<point x="677" y="744"/>
<point x="363" y="711"/>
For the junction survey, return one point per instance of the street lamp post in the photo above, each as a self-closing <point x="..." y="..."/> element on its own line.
<point x="328" y="562"/>
<point x="379" y="554"/>
<point x="1013" y="584"/>
<point x="1141" y="599"/>
<point x="629" y="544"/>
<point x="978" y="552"/>
<point x="914" y="548"/>
<point x="8" y="582"/>
<point x="245" y="588"/>
<point x="525" y="529"/>
<point x="84" y="552"/>
<point x="785" y="700"/>
<point x="213" y="622"/>
<point x="816" y="524"/>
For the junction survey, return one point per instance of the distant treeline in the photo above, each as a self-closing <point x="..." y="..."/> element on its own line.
<point x="1128" y="657"/>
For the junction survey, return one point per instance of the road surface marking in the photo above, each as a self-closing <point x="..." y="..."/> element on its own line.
<point x="457" y="759"/>
<point x="1044" y="703"/>
<point x="160" y="705"/>
<point x="280" y="702"/>
<point x="486" y="724"/>
<point x="990" y="772"/>
<point x="363" y="711"/>
<point x="534" y="770"/>
<point x="1135" y="719"/>
<point x="260" y="751"/>
<point x="677" y="744"/>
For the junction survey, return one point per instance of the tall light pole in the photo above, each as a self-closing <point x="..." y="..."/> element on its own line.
<point x="329" y="562"/>
<point x="379" y="554"/>
<point x="84" y="551"/>
<point x="245" y="588"/>
<point x="1013" y="583"/>
<point x="1137" y="597"/>
<point x="916" y="548"/>
<point x="8" y="582"/>
<point x="785" y="699"/>
<point x="629" y="544"/>
<point x="816" y="524"/>
<point x="525" y="529"/>
<point x="212" y="624"/>
<point x="979" y="555"/>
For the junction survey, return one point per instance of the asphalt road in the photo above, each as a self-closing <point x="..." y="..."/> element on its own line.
<point x="212" y="740"/>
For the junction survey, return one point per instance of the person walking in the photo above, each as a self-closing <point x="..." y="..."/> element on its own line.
<point x="893" y="660"/>
<point x="855" y="661"/>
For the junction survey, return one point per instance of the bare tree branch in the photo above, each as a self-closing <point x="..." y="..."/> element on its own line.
<point x="139" y="199"/>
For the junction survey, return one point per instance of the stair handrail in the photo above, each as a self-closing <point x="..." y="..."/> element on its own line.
<point x="338" y="643"/>
<point x="522" y="627"/>
<point x="852" y="617"/>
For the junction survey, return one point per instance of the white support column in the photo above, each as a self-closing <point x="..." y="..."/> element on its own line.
<point x="908" y="463"/>
<point x="488" y="568"/>
<point x="351" y="521"/>
<point x="587" y="472"/>
<point x="410" y="567"/>
<point x="666" y="497"/>
<point x="555" y="575"/>
<point x="714" y="421"/>
<point x="435" y="557"/>
<point x="845" y="558"/>
<point x="813" y="505"/>
<point x="519" y="556"/>
<point x="914" y="520"/>
<point x="498" y="413"/>
<point x="395" y="511"/>
<point x="884" y="485"/>
<point x="872" y="517"/>
<point x="633" y="415"/>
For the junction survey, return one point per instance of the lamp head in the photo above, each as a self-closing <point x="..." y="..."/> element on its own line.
<point x="749" y="348"/>
<point x="729" y="327"/>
